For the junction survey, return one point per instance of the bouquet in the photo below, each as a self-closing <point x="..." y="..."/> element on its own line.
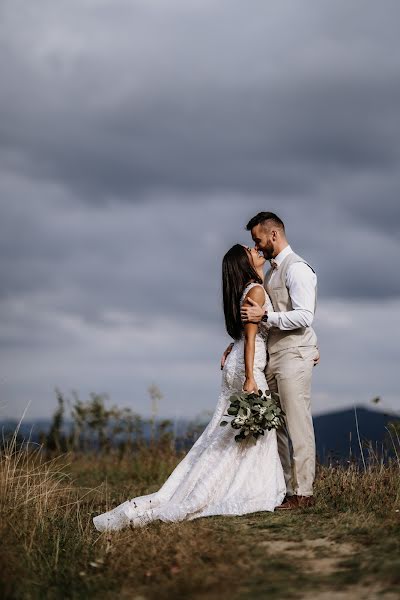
<point x="253" y="413"/>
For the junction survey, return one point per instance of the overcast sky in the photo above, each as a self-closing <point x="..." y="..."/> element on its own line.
<point x="138" y="137"/>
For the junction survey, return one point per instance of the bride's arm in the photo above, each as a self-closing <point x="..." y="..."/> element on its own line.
<point x="250" y="330"/>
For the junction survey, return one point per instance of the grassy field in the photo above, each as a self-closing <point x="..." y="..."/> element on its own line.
<point x="346" y="547"/>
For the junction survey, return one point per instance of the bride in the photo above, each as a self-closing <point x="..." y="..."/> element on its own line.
<point x="219" y="476"/>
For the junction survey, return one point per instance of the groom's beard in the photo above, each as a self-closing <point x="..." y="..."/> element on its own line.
<point x="268" y="252"/>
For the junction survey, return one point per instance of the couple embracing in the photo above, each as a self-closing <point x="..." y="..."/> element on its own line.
<point x="275" y="348"/>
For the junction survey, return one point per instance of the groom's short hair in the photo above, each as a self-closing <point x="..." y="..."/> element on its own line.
<point x="263" y="217"/>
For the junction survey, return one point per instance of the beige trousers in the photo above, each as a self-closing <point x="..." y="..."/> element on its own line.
<point x="289" y="373"/>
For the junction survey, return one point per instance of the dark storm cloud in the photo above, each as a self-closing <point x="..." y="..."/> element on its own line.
<point x="276" y="143"/>
<point x="103" y="124"/>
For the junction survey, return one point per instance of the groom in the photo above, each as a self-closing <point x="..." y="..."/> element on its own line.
<point x="291" y="284"/>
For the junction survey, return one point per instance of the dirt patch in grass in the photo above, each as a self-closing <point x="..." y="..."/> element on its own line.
<point x="319" y="555"/>
<point x="359" y="592"/>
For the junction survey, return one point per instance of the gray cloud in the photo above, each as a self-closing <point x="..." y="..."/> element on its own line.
<point x="177" y="113"/>
<point x="137" y="140"/>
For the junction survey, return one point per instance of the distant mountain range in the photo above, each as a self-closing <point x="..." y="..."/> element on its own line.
<point x="335" y="432"/>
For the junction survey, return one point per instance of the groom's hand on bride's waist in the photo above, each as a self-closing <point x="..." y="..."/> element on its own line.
<point x="253" y="313"/>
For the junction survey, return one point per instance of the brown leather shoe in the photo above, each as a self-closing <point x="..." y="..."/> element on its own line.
<point x="305" y="501"/>
<point x="292" y="502"/>
<point x="289" y="503"/>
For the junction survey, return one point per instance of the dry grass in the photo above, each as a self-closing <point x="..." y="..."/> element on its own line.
<point x="50" y="549"/>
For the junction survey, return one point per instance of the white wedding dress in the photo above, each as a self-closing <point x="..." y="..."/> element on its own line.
<point x="218" y="476"/>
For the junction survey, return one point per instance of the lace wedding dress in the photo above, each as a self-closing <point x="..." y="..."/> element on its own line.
<point x="218" y="476"/>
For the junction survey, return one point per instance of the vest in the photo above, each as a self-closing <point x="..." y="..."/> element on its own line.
<point x="279" y="339"/>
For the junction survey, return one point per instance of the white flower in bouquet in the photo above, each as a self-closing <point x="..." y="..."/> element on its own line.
<point x="238" y="422"/>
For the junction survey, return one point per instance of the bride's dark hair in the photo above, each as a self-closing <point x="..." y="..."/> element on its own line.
<point x="237" y="272"/>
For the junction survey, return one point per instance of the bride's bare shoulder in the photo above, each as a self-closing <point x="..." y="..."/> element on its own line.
<point x="257" y="294"/>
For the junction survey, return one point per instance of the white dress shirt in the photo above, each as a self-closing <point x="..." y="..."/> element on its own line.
<point x="301" y="282"/>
